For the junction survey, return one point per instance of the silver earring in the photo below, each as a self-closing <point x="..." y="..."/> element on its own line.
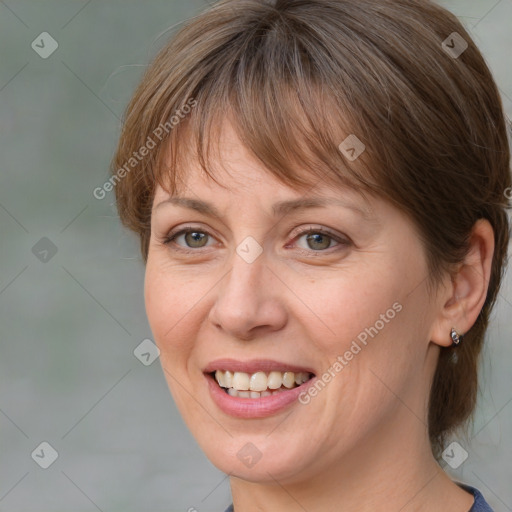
<point x="456" y="337"/>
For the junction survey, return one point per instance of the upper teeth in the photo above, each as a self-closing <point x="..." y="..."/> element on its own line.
<point x="259" y="381"/>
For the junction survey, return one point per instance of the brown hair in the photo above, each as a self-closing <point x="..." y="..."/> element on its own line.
<point x="298" y="77"/>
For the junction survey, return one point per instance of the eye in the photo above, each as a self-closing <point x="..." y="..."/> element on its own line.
<point x="316" y="240"/>
<point x="194" y="238"/>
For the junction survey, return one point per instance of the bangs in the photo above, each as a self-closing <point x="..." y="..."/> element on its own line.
<point x="289" y="121"/>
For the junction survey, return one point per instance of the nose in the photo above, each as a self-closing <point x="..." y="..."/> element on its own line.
<point x="249" y="301"/>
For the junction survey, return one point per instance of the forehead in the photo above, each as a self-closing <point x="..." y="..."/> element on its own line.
<point x="261" y="191"/>
<point x="234" y="171"/>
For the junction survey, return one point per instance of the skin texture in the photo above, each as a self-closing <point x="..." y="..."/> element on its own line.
<point x="361" y="443"/>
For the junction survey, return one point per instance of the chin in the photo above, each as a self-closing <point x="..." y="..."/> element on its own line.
<point x="258" y="459"/>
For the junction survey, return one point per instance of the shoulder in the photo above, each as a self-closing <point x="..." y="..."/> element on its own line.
<point x="480" y="505"/>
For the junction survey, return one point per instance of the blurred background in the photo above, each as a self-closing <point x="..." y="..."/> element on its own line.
<point x="86" y="419"/>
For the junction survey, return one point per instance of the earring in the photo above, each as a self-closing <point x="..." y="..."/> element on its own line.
<point x="456" y="337"/>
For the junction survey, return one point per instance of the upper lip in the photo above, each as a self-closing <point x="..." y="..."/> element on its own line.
<point x="253" y="366"/>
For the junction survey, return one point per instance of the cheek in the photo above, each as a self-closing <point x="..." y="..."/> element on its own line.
<point x="348" y="305"/>
<point x="369" y="318"/>
<point x="173" y="321"/>
<point x="169" y="308"/>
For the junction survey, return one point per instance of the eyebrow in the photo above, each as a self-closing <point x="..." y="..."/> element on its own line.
<point x="280" y="208"/>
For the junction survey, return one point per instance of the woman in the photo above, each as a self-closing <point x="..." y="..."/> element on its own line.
<point x="319" y="187"/>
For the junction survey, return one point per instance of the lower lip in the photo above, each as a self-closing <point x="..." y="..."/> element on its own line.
<point x="254" y="407"/>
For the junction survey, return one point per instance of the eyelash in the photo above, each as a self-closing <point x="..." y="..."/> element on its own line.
<point x="169" y="239"/>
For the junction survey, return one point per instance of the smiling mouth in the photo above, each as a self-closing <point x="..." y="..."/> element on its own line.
<point x="259" y="384"/>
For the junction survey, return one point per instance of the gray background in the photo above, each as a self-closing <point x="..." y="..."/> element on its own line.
<point x="69" y="326"/>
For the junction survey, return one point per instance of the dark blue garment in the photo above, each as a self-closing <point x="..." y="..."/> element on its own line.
<point x="480" y="505"/>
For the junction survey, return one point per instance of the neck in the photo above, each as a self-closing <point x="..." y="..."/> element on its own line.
<point x="391" y="470"/>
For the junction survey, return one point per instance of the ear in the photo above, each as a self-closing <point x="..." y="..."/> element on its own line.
<point x="463" y="298"/>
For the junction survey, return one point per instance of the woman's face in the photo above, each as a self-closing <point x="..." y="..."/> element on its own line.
<point x="338" y="291"/>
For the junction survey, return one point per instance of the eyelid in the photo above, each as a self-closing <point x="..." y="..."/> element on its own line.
<point x="319" y="229"/>
<point x="169" y="238"/>
<point x="342" y="240"/>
